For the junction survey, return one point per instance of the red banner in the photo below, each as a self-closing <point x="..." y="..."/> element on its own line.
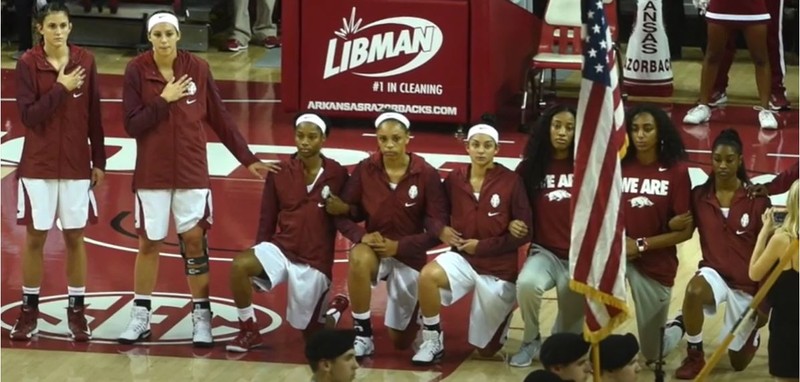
<point x="359" y="57"/>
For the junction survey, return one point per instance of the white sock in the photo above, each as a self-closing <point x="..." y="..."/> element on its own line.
<point x="430" y="321"/>
<point x="246" y="313"/>
<point x="695" y="339"/>
<point x="361" y="316"/>
<point x="76" y="291"/>
<point x="26" y="290"/>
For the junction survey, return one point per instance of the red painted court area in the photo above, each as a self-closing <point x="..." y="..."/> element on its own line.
<point x="111" y="244"/>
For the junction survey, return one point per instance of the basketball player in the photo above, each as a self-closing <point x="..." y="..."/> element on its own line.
<point x="296" y="235"/>
<point x="331" y="356"/>
<point x="484" y="198"/>
<point x="777" y="100"/>
<point x="656" y="189"/>
<point x="728" y="222"/>
<point x="723" y="17"/>
<point x="402" y="200"/>
<point x="546" y="171"/>
<point x="619" y="361"/>
<point x="59" y="104"/>
<point x="170" y="98"/>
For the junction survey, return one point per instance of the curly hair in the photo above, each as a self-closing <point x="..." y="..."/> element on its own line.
<point x="538" y="152"/>
<point x="670" y="149"/>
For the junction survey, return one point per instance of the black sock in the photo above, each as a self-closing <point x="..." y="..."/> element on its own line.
<point x="435" y="327"/>
<point x="679" y="322"/>
<point x="697" y="346"/>
<point x="202" y="305"/>
<point x="143" y="303"/>
<point x="76" y="302"/>
<point x="363" y="327"/>
<point x="31" y="300"/>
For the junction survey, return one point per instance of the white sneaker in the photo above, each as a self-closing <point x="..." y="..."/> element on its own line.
<point x="526" y="354"/>
<point x="201" y="333"/>
<point x="138" y="328"/>
<point x="766" y="118"/>
<point x="432" y="348"/>
<point x="672" y="337"/>
<point x="363" y="346"/>
<point x="697" y="115"/>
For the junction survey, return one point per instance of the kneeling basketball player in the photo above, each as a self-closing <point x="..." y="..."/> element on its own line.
<point x="401" y="199"/>
<point x="295" y="239"/>
<point x="484" y="199"/>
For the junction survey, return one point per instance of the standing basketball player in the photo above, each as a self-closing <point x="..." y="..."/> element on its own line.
<point x="402" y="199"/>
<point x="546" y="171"/>
<point x="59" y="103"/>
<point x="777" y="99"/>
<point x="656" y="189"/>
<point x="296" y="235"/>
<point x="724" y="16"/>
<point x="169" y="98"/>
<point x="484" y="198"/>
<point x="729" y="223"/>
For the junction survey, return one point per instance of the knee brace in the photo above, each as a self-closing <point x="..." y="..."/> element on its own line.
<point x="194" y="266"/>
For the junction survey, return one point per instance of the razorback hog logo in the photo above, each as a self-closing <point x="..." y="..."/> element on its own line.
<point x="640" y="202"/>
<point x="413" y="36"/>
<point x="558" y="195"/>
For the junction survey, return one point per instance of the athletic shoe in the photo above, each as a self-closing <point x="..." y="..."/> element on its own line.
<point x="78" y="327"/>
<point x="691" y="365"/>
<point x="26" y="325"/>
<point x="364" y="346"/>
<point x="248" y="338"/>
<point x="526" y="354"/>
<point x="779" y="102"/>
<point x="719" y="98"/>
<point x="336" y="307"/>
<point x="697" y="115"/>
<point x="234" y="46"/>
<point x="766" y="118"/>
<point x="432" y="349"/>
<point x="201" y="332"/>
<point x="138" y="328"/>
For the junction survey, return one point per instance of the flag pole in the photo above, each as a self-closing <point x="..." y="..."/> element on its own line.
<point x="751" y="310"/>
<point x="596" y="361"/>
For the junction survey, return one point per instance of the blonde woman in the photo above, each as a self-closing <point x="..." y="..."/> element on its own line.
<point x="774" y="240"/>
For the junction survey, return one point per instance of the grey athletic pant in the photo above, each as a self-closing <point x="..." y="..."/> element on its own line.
<point x="541" y="272"/>
<point x="651" y="299"/>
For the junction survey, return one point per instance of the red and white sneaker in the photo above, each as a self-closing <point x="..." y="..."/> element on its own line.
<point x="753" y="342"/>
<point x="779" y="102"/>
<point x="719" y="98"/>
<point x="26" y="325"/>
<point x="272" y="42"/>
<point x="336" y="307"/>
<point x="233" y="45"/>
<point x="248" y="338"/>
<point x="78" y="327"/>
<point x="692" y="365"/>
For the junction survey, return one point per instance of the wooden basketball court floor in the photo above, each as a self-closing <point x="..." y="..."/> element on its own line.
<point x="253" y="96"/>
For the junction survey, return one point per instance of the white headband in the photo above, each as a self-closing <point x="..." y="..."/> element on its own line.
<point x="162" y="18"/>
<point x="482" y="128"/>
<point x="312" y="118"/>
<point x="392" y="115"/>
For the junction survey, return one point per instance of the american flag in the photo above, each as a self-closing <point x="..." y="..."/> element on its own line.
<point x="597" y="251"/>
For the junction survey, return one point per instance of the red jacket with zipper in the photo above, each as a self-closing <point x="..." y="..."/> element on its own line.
<point x="171" y="137"/>
<point x="58" y="121"/>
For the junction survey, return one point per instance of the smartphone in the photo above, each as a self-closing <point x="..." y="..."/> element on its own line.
<point x="778" y="217"/>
